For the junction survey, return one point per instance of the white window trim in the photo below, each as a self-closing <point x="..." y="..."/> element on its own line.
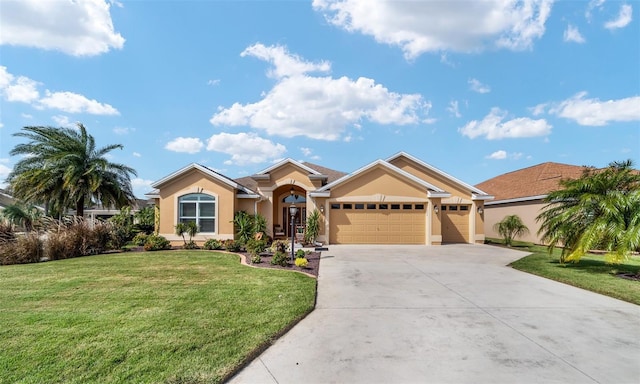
<point x="176" y="212"/>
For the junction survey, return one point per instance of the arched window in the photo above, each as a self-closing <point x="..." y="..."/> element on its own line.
<point x="199" y="208"/>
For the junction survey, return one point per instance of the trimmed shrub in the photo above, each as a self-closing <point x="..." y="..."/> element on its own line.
<point x="156" y="243"/>
<point x="212" y="244"/>
<point x="231" y="245"/>
<point x="140" y="239"/>
<point x="191" y="245"/>
<point x="279" y="246"/>
<point x="300" y="253"/>
<point x="255" y="247"/>
<point x="302" y="262"/>
<point x="279" y="258"/>
<point x="256" y="259"/>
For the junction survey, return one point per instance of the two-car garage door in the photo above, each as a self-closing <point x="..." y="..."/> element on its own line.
<point x="377" y="223"/>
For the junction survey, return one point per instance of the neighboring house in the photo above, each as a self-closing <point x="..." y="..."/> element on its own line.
<point x="6" y="199"/>
<point x="522" y="192"/>
<point x="103" y="213"/>
<point x="400" y="200"/>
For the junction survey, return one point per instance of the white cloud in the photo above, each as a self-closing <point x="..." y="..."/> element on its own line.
<point x="24" y="89"/>
<point x="498" y="155"/>
<point x="213" y="82"/>
<point x="26" y="116"/>
<point x="318" y="107"/>
<point x="477" y="86"/>
<point x="308" y="152"/>
<point x="501" y="155"/>
<point x="245" y="148"/>
<point x="74" y="103"/>
<point x="624" y="18"/>
<point x="63" y="121"/>
<point x="453" y="108"/>
<point x="141" y="186"/>
<point x="78" y="28"/>
<point x="185" y="144"/>
<point x="123" y="130"/>
<point x="572" y="34"/>
<point x="136" y="154"/>
<point x="538" y="109"/>
<point x="4" y="172"/>
<point x="593" y="4"/>
<point x="435" y="26"/>
<point x="493" y="127"/>
<point x="593" y="112"/>
<point x="284" y="63"/>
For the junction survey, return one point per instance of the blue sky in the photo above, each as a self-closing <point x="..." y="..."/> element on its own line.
<point x="474" y="88"/>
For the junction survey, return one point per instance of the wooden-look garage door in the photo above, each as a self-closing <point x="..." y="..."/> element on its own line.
<point x="376" y="223"/>
<point x="455" y="223"/>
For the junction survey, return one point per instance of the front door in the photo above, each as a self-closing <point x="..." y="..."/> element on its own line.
<point x="299" y="220"/>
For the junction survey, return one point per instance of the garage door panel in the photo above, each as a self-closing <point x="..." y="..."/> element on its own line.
<point x="375" y="226"/>
<point x="455" y="226"/>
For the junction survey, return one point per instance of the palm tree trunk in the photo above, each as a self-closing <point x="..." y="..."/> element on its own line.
<point x="80" y="207"/>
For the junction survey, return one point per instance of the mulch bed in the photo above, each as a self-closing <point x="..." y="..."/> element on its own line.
<point x="312" y="268"/>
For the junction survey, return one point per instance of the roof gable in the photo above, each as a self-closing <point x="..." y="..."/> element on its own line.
<point x="207" y="171"/>
<point x="537" y="180"/>
<point x="289" y="161"/>
<point x="432" y="189"/>
<point x="475" y="192"/>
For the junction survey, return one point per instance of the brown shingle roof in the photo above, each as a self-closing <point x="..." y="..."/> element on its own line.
<point x="331" y="174"/>
<point x="532" y="181"/>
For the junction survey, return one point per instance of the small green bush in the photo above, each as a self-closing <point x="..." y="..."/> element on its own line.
<point x="279" y="258"/>
<point x="279" y="246"/>
<point x="256" y="259"/>
<point x="255" y="247"/>
<point x="156" y="243"/>
<point x="231" y="245"/>
<point x="191" y="245"/>
<point x="302" y="262"/>
<point x="140" y="238"/>
<point x="300" y="253"/>
<point x="212" y="244"/>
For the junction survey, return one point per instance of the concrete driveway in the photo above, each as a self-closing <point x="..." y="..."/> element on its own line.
<point x="450" y="314"/>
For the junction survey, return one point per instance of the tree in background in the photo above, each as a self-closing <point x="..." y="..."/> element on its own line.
<point x="510" y="227"/>
<point x="62" y="168"/>
<point x="24" y="215"/>
<point x="599" y="210"/>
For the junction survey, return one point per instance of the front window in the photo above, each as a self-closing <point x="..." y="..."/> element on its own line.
<point x="198" y="208"/>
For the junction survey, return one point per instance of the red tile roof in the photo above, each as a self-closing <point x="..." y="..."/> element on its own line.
<point x="532" y="181"/>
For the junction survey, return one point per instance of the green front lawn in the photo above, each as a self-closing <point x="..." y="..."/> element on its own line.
<point x="592" y="272"/>
<point x="174" y="316"/>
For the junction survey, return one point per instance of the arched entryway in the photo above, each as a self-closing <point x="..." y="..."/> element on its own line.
<point x="284" y="197"/>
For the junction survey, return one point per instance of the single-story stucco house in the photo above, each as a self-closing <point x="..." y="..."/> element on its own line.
<point x="400" y="200"/>
<point x="521" y="193"/>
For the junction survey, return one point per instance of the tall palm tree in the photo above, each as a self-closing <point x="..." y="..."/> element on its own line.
<point x="599" y="210"/>
<point x="63" y="168"/>
<point x="511" y="227"/>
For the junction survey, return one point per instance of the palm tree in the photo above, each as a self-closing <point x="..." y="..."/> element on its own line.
<point x="63" y="168"/>
<point x="511" y="227"/>
<point x="599" y="210"/>
<point x="25" y="215"/>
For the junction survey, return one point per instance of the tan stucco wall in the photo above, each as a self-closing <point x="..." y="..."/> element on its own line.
<point x="196" y="182"/>
<point x="431" y="177"/>
<point x="375" y="182"/>
<point x="527" y="212"/>
<point x="288" y="173"/>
